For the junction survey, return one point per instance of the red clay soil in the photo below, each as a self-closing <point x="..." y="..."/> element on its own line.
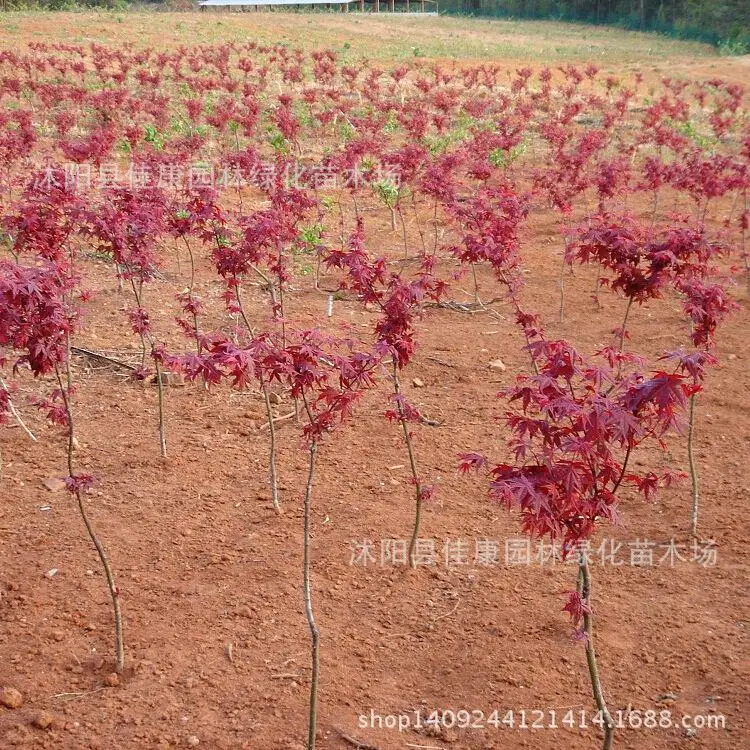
<point x="210" y="578"/>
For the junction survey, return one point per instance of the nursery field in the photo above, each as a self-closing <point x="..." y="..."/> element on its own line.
<point x="371" y="383"/>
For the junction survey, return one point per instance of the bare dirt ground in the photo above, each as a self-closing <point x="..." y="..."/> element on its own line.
<point x="217" y="646"/>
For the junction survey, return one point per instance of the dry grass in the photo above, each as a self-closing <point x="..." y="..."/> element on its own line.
<point x="384" y="37"/>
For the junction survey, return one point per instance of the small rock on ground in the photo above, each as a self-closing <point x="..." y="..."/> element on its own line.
<point x="43" y="720"/>
<point x="112" y="679"/>
<point x="497" y="364"/>
<point x="10" y="697"/>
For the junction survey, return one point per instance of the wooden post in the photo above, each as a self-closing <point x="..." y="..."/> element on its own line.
<point x="362" y="6"/>
<point x="392" y="5"/>
<point x="377" y="6"/>
<point x="407" y="6"/>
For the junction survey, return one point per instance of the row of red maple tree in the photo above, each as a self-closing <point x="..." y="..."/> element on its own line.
<point x="648" y="184"/>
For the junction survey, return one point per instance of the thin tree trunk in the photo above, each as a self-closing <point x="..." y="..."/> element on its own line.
<point x="435" y="226"/>
<point x="621" y="345"/>
<point x="517" y="310"/>
<point x="476" y="285"/>
<point x="281" y="310"/>
<point x="113" y="591"/>
<point x="162" y="425"/>
<point x="190" y="291"/>
<point x="138" y="293"/>
<point x="597" y="284"/>
<point x="693" y="470"/>
<point x="561" y="285"/>
<point x="314" y="632"/>
<point x="419" y="225"/>
<point x="272" y="448"/>
<point x="272" y="474"/>
<point x="624" y="323"/>
<point x="413" y="467"/>
<point x="588" y="625"/>
<point x="561" y="279"/>
<point x="403" y="227"/>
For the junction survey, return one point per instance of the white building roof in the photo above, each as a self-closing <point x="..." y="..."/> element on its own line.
<point x="209" y="3"/>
